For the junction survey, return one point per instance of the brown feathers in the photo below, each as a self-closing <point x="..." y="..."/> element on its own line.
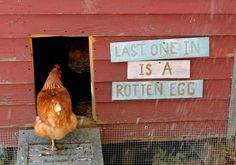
<point x="55" y="117"/>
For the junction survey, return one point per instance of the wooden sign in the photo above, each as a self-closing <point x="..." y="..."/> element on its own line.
<point x="159" y="49"/>
<point x="157" y="89"/>
<point x="159" y="69"/>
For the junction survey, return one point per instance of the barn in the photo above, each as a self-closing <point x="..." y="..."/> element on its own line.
<point x="95" y="42"/>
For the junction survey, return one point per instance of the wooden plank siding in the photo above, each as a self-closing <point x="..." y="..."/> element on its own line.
<point x="111" y="21"/>
<point x="212" y="90"/>
<point x="13" y="50"/>
<point x="200" y="68"/>
<point x="216" y="71"/>
<point x="17" y="94"/>
<point x="17" y="97"/>
<point x="220" y="46"/>
<point x="17" y="115"/>
<point x="117" y="7"/>
<point x="163" y="131"/>
<point x="16" y="72"/>
<point x="19" y="26"/>
<point x="162" y="111"/>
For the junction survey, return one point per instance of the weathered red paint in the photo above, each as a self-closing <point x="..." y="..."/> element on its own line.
<point x="117" y="7"/>
<point x="17" y="116"/>
<point x="117" y="25"/>
<point x="16" y="72"/>
<point x="216" y="71"/>
<point x="200" y="68"/>
<point x="212" y="89"/>
<point x="220" y="46"/>
<point x="162" y="111"/>
<point x="163" y="131"/>
<point x="14" y="49"/>
<point x="112" y="21"/>
<point x="17" y="94"/>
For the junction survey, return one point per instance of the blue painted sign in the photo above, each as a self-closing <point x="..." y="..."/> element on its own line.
<point x="159" y="49"/>
<point x="157" y="89"/>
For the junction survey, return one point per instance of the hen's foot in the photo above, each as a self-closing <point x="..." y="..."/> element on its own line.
<point x="54" y="148"/>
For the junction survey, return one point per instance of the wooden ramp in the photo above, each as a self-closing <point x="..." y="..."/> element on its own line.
<point x="82" y="147"/>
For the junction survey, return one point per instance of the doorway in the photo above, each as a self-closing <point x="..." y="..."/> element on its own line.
<point x="72" y="55"/>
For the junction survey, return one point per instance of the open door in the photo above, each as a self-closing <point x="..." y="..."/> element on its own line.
<point x="72" y="54"/>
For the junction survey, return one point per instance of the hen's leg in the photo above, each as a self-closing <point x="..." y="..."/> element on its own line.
<point x="54" y="148"/>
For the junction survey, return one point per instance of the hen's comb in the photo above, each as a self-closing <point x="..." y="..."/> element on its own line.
<point x="57" y="66"/>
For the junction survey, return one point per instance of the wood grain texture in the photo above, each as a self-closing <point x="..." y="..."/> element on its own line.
<point x="212" y="90"/>
<point x="16" y="72"/>
<point x="17" y="94"/>
<point x="17" y="115"/>
<point x="15" y="26"/>
<point x="17" y="49"/>
<point x="220" y="46"/>
<point x="117" y="7"/>
<point x="162" y="111"/>
<point x="20" y="19"/>
<point x="204" y="68"/>
<point x="163" y="131"/>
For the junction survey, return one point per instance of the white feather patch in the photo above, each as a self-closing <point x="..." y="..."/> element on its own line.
<point x="57" y="108"/>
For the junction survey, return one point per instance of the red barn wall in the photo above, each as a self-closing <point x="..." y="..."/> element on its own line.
<point x="111" y="21"/>
<point x="209" y="112"/>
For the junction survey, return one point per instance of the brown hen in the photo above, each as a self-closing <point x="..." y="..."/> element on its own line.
<point x="55" y="117"/>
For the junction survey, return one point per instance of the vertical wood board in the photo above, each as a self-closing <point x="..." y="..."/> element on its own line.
<point x="231" y="131"/>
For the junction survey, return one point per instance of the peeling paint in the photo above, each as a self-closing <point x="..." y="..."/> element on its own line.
<point x="121" y="34"/>
<point x="5" y="82"/>
<point x="212" y="9"/>
<point x="148" y="28"/>
<point x="230" y="55"/>
<point x="6" y="101"/>
<point x="7" y="59"/>
<point x="23" y="125"/>
<point x="89" y="6"/>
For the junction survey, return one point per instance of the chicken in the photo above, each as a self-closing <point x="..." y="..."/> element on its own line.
<point x="55" y="117"/>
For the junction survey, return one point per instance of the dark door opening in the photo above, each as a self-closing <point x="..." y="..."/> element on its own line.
<point x="72" y="54"/>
